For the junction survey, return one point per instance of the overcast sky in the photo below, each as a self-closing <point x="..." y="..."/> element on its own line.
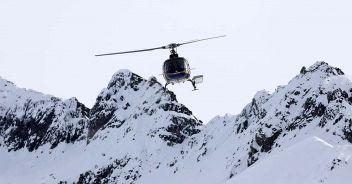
<point x="49" y="46"/>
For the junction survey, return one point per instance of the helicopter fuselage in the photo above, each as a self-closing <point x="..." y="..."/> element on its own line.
<point x="176" y="69"/>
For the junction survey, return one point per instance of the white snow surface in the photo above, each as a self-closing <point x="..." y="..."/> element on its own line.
<point x="310" y="161"/>
<point x="299" y="134"/>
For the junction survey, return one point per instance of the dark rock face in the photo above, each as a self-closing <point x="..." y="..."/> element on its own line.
<point x="105" y="174"/>
<point x="21" y="131"/>
<point x="312" y="109"/>
<point x="176" y="108"/>
<point x="252" y="156"/>
<point x="101" y="116"/>
<point x="338" y="94"/>
<point x="261" y="143"/>
<point x="38" y="120"/>
<point x="266" y="143"/>
<point x="348" y="135"/>
<point x="180" y="129"/>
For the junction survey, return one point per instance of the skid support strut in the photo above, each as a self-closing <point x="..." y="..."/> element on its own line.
<point x="193" y="84"/>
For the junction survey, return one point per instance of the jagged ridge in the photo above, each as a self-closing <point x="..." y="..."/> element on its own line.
<point x="139" y="133"/>
<point x="29" y="119"/>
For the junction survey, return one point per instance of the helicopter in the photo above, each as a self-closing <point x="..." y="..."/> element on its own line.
<point x="176" y="69"/>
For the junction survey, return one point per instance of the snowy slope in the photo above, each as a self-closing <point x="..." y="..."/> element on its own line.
<point x="307" y="162"/>
<point x="137" y="132"/>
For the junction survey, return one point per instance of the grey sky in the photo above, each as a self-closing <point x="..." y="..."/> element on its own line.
<point x="49" y="46"/>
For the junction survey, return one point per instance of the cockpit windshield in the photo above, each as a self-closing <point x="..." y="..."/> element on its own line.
<point x="175" y="65"/>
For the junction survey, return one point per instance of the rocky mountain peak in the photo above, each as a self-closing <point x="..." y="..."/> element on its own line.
<point x="125" y="78"/>
<point x="129" y="98"/>
<point x="323" y="67"/>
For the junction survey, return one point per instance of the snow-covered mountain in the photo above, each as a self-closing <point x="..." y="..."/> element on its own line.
<point x="137" y="132"/>
<point x="29" y="119"/>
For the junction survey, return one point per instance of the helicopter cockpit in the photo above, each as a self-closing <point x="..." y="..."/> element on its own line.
<point x="176" y="69"/>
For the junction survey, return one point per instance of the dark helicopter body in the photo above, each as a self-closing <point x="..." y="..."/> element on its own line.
<point x="175" y="69"/>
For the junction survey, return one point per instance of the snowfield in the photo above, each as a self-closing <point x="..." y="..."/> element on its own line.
<point x="307" y="162"/>
<point x="137" y="132"/>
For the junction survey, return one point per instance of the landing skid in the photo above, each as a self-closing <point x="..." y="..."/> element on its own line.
<point x="192" y="81"/>
<point x="193" y="84"/>
<point x="195" y="80"/>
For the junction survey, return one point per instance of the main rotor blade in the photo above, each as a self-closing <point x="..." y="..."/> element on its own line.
<point x="198" y="40"/>
<point x="142" y="50"/>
